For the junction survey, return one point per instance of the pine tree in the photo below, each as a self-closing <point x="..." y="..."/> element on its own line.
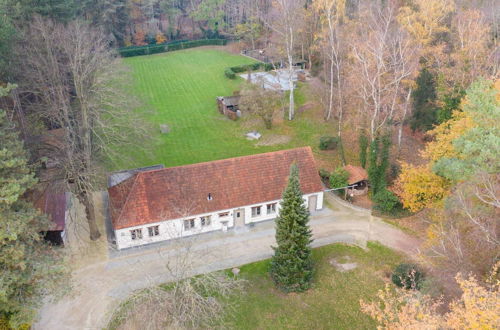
<point x="30" y="267"/>
<point x="291" y="265"/>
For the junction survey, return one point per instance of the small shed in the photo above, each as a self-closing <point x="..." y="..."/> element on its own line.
<point x="229" y="106"/>
<point x="53" y="201"/>
<point x="358" y="178"/>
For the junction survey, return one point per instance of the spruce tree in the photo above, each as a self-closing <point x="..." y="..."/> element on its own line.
<point x="291" y="265"/>
<point x="30" y="267"/>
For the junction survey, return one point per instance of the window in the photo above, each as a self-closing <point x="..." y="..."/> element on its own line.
<point x="255" y="211"/>
<point x="224" y="214"/>
<point x="271" y="208"/>
<point x="205" y="221"/>
<point x="188" y="224"/>
<point x="136" y="234"/>
<point x="154" y="231"/>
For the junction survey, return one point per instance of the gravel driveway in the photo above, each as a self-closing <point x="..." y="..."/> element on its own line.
<point x="102" y="284"/>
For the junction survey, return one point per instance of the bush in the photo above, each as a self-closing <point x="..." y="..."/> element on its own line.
<point x="324" y="174"/>
<point x="328" y="142"/>
<point x="408" y="276"/>
<point x="386" y="201"/>
<point x="230" y="73"/>
<point x="338" y="179"/>
<point x="268" y="67"/>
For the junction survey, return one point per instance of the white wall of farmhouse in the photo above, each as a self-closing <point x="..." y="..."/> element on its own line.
<point x="219" y="220"/>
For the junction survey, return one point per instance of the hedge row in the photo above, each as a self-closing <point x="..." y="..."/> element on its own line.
<point x="232" y="71"/>
<point x="168" y="47"/>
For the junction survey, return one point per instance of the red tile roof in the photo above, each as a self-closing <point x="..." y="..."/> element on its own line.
<point x="182" y="191"/>
<point x="356" y="174"/>
<point x="51" y="200"/>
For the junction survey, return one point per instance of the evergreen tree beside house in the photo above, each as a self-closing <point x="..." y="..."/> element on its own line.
<point x="30" y="268"/>
<point x="291" y="265"/>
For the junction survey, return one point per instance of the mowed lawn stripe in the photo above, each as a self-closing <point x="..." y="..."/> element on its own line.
<point x="181" y="88"/>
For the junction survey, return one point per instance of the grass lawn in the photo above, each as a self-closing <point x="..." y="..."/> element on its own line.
<point x="180" y="90"/>
<point x="332" y="303"/>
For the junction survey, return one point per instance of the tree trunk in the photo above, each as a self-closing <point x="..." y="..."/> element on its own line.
<point x="400" y="132"/>
<point x="87" y="202"/>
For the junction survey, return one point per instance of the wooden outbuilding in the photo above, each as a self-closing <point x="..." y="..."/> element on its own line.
<point x="358" y="178"/>
<point x="229" y="106"/>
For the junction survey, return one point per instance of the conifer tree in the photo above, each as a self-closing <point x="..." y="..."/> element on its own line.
<point x="291" y="265"/>
<point x="30" y="267"/>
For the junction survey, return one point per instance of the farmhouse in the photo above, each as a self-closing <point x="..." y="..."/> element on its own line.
<point x="158" y="205"/>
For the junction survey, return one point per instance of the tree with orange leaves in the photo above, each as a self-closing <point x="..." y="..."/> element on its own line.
<point x="477" y="308"/>
<point x="140" y="38"/>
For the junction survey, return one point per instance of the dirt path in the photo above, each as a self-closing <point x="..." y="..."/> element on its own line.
<point x="103" y="284"/>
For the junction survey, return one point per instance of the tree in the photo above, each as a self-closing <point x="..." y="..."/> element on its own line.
<point x="425" y="20"/>
<point x="363" y="146"/>
<point x="140" y="38"/>
<point x="477" y="307"/>
<point x="339" y="179"/>
<point x="160" y="38"/>
<point x="379" y="163"/>
<point x="112" y="16"/>
<point x="383" y="60"/>
<point x="261" y="102"/>
<point x="249" y="31"/>
<point x="476" y="148"/>
<point x="424" y="102"/>
<point x="31" y="269"/>
<point x="6" y="42"/>
<point x="291" y="265"/>
<point x="418" y="187"/>
<point x="210" y="12"/>
<point x="188" y="300"/>
<point x="332" y="12"/>
<point x="80" y="88"/>
<point x="284" y="20"/>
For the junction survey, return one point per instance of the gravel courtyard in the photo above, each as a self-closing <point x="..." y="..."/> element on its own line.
<point x="112" y="275"/>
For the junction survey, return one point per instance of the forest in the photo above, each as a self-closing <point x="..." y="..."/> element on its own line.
<point x="407" y="89"/>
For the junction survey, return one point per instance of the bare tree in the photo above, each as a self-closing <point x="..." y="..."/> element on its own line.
<point x="73" y="82"/>
<point x="384" y="57"/>
<point x="284" y="19"/>
<point x="187" y="300"/>
<point x="261" y="102"/>
<point x="465" y="235"/>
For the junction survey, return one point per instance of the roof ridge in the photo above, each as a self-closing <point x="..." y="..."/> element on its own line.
<point x="308" y="148"/>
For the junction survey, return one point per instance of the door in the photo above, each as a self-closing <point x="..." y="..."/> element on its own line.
<point x="312" y="203"/>
<point x="239" y="217"/>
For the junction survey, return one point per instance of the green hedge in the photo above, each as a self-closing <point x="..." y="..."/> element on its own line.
<point x="168" y="47"/>
<point x="232" y="71"/>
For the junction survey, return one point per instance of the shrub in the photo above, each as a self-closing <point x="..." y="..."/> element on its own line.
<point x="268" y="67"/>
<point x="328" y="142"/>
<point x="239" y="68"/>
<point x="338" y="179"/>
<point x="230" y="73"/>
<point x="324" y="174"/>
<point x="386" y="201"/>
<point x="408" y="276"/>
<point x="255" y="66"/>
